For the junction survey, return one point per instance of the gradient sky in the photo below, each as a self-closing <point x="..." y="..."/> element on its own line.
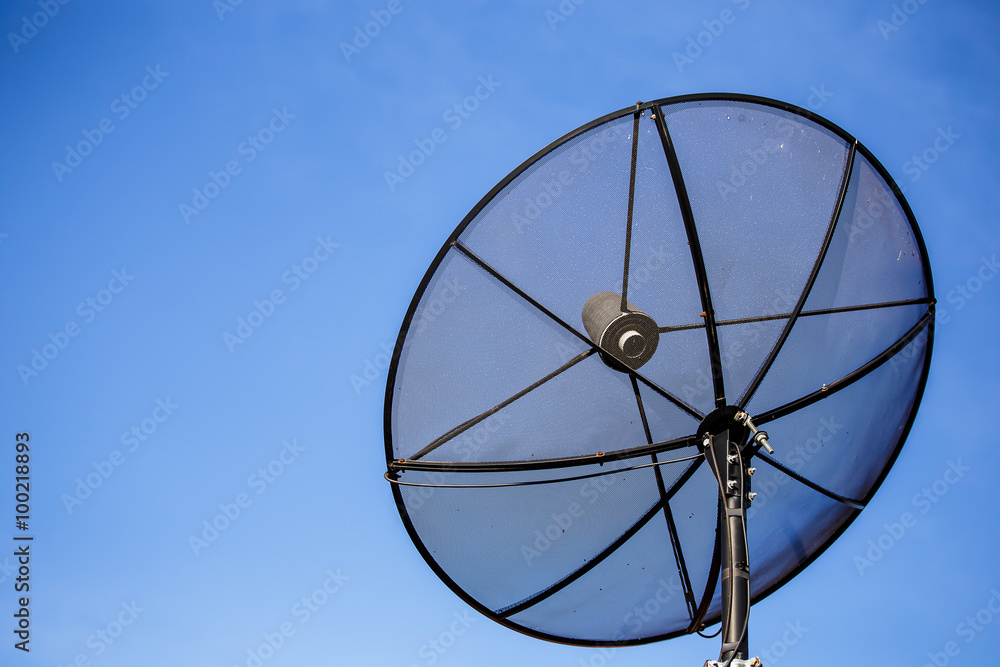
<point x="233" y="150"/>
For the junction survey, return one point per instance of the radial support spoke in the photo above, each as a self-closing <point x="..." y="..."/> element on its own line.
<point x="558" y="320"/>
<point x="805" y="313"/>
<point x="469" y="423"/>
<point x="532" y="600"/>
<point x="697" y="258"/>
<point x="607" y="551"/>
<point x="682" y="570"/>
<point x="844" y="184"/>
<point x="855" y="504"/>
<point x="631" y="202"/>
<point x="868" y="306"/>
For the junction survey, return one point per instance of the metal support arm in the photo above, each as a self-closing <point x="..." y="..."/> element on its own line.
<point x="733" y="475"/>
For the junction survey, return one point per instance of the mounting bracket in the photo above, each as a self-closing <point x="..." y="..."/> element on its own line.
<point x="725" y="458"/>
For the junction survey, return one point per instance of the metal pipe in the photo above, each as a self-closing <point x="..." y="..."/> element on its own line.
<point x="734" y="485"/>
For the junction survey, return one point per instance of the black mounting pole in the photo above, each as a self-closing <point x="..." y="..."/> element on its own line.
<point x="733" y="474"/>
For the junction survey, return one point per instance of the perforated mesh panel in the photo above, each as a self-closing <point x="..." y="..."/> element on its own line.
<point x="875" y="256"/>
<point x="824" y="348"/>
<point x="635" y="590"/>
<point x="763" y="184"/>
<point x="821" y="309"/>
<point x="844" y="442"/>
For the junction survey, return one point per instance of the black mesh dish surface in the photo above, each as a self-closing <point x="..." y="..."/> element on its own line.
<point x="563" y="494"/>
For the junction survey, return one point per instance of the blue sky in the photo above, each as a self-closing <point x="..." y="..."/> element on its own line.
<point x="200" y="248"/>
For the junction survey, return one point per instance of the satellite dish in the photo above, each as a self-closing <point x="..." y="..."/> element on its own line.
<point x="577" y="397"/>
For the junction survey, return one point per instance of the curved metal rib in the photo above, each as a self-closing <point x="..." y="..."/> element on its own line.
<point x="469" y="423"/>
<point x="696" y="257"/>
<point x="675" y="542"/>
<point x="850" y="378"/>
<point x="844" y="184"/>
<point x="607" y="551"/>
<point x="855" y="504"/>
<point x="558" y="320"/>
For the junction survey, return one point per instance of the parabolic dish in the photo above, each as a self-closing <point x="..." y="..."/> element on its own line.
<point x="784" y="275"/>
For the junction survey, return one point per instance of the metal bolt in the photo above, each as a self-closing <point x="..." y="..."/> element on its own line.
<point x="751" y="471"/>
<point x="752" y="495"/>
<point x="760" y="437"/>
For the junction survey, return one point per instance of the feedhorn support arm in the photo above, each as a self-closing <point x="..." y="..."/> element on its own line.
<point x="760" y="437"/>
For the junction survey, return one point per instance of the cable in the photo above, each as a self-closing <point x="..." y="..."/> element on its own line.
<point x="539" y="481"/>
<point x="710" y="458"/>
